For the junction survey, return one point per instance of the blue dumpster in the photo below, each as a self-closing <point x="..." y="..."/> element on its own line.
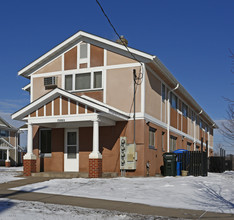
<point x="179" y="154"/>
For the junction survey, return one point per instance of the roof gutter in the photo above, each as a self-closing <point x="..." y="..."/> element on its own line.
<point x="173" y="80"/>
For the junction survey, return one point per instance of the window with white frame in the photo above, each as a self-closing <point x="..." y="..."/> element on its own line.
<point x="83" y="81"/>
<point x="152" y="132"/>
<point x="173" y="143"/>
<point x="68" y="82"/>
<point x="83" y="50"/>
<point x="163" y="92"/>
<point x="184" y="110"/>
<point x="200" y="123"/>
<point x="174" y="101"/>
<point x="4" y="133"/>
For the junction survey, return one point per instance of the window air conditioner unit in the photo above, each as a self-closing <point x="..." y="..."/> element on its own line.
<point x="50" y="82"/>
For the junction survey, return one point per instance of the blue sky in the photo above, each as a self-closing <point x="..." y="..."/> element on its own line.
<point x="190" y="37"/>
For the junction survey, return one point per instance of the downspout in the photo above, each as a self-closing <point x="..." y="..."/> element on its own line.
<point x="195" y="132"/>
<point x="169" y="113"/>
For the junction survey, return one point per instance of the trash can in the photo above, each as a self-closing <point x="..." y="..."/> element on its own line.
<point x="179" y="154"/>
<point x="169" y="160"/>
<point x="178" y="168"/>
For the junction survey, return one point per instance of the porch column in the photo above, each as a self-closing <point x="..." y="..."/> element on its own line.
<point x="95" y="158"/>
<point x="7" y="161"/>
<point x="29" y="157"/>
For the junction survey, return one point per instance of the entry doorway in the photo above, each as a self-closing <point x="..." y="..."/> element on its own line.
<point x="71" y="150"/>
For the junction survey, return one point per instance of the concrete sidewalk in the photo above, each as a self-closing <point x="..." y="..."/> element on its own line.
<point x="101" y="203"/>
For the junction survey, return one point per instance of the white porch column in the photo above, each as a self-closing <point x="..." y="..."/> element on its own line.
<point x="8" y="155"/>
<point x="29" y="155"/>
<point x="95" y="153"/>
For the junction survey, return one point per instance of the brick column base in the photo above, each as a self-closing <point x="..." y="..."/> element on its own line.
<point x="29" y="167"/>
<point x="7" y="163"/>
<point x="95" y="168"/>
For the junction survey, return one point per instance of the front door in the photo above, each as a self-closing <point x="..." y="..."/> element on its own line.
<point x="71" y="151"/>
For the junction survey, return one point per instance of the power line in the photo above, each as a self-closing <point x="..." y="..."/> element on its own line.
<point x="138" y="79"/>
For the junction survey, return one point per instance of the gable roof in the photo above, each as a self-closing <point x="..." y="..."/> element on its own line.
<point x="5" y="125"/>
<point x="5" y="144"/>
<point x="99" y="106"/>
<point x="118" y="48"/>
<point x="87" y="37"/>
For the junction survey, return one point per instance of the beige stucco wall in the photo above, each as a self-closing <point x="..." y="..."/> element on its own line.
<point x="152" y="95"/>
<point x="55" y="65"/>
<point x="114" y="59"/>
<point x="119" y="89"/>
<point x="38" y="88"/>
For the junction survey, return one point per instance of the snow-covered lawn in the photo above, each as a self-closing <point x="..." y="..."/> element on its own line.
<point x="8" y="174"/>
<point x="13" y="209"/>
<point x="213" y="193"/>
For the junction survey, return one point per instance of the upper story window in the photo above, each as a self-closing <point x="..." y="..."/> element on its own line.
<point x="192" y="116"/>
<point x="4" y="133"/>
<point x="83" y="50"/>
<point x="174" y="101"/>
<point x="83" y="81"/>
<point x="184" y="110"/>
<point x="163" y="93"/>
<point x="200" y="123"/>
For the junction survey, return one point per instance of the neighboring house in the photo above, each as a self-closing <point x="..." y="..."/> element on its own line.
<point x="10" y="151"/>
<point x="81" y="111"/>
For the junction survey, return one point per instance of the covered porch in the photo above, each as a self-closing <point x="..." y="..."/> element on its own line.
<point x="64" y="132"/>
<point x="5" y="146"/>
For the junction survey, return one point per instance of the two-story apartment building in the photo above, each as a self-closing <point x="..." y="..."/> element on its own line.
<point x="81" y="110"/>
<point x="10" y="151"/>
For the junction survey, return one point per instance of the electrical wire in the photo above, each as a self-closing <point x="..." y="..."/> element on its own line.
<point x="137" y="79"/>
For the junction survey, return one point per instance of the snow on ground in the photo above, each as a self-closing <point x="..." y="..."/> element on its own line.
<point x="8" y="174"/>
<point x="13" y="209"/>
<point x="213" y="193"/>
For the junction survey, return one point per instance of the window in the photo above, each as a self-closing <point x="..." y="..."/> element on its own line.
<point x="45" y="141"/>
<point x="206" y="128"/>
<point x="184" y="110"/>
<point x="189" y="146"/>
<point x="83" y="50"/>
<point x="192" y="116"/>
<point x="152" y="137"/>
<point x="173" y="101"/>
<point x="97" y="80"/>
<point x="172" y="143"/>
<point x="2" y="154"/>
<point x="163" y="135"/>
<point x="68" y="82"/>
<point x="4" y="133"/>
<point x="200" y="123"/>
<point x="163" y="93"/>
<point x="82" y="81"/>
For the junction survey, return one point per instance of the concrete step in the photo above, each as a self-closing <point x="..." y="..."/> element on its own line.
<point x="60" y="174"/>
